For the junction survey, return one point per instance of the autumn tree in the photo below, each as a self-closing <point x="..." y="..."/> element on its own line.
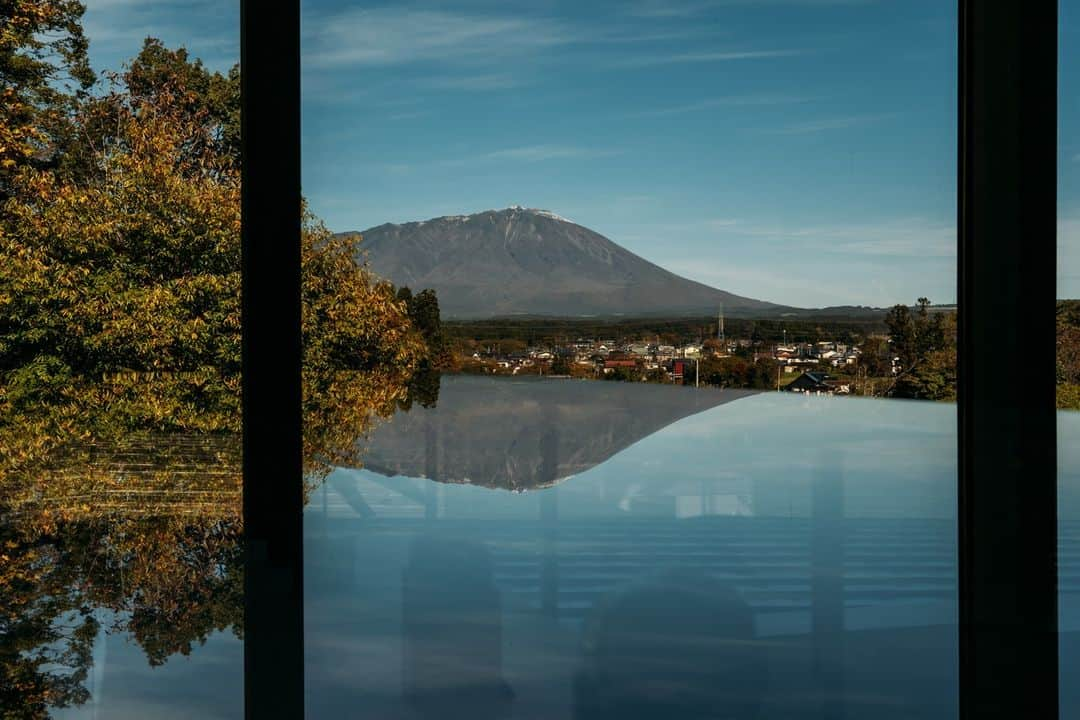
<point x="207" y="97"/>
<point x="44" y="72"/>
<point x="131" y="269"/>
<point x="120" y="318"/>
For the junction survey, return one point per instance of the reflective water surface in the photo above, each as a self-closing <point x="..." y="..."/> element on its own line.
<point x="121" y="581"/>
<point x="677" y="554"/>
<point x="529" y="549"/>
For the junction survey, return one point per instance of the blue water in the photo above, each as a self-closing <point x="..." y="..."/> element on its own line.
<point x="682" y="555"/>
<point x="773" y="556"/>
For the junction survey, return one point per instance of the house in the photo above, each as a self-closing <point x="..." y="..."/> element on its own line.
<point x="812" y="382"/>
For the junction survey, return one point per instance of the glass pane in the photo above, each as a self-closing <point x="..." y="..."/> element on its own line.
<point x="612" y="467"/>
<point x="1068" y="356"/>
<point x="121" y="571"/>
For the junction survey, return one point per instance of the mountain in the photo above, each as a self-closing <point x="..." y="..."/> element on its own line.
<point x="521" y="261"/>
<point x="523" y="433"/>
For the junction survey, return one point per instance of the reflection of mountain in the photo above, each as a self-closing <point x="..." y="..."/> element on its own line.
<point x="502" y="433"/>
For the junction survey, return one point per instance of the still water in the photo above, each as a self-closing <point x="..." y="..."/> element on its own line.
<point x="563" y="549"/>
<point x="675" y="554"/>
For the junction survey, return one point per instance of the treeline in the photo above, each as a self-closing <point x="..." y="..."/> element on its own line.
<point x="669" y="330"/>
<point x="423" y="311"/>
<point x="924" y="343"/>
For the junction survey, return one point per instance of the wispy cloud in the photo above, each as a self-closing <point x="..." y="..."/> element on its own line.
<point x="734" y="101"/>
<point x="751" y="280"/>
<point x="535" y="153"/>
<point x="704" y="57"/>
<point x="210" y="30"/>
<point x="389" y="36"/>
<point x="823" y="124"/>
<point x="472" y="83"/>
<point x="674" y="9"/>
<point x="666" y="9"/>
<point x="409" y="115"/>
<point x="910" y="237"/>
<point x="521" y="154"/>
<point x="896" y="237"/>
<point x="795" y="3"/>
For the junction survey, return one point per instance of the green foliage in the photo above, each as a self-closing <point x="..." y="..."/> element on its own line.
<point x="876" y="358"/>
<point x="210" y="97"/>
<point x="925" y="342"/>
<point x="739" y="372"/>
<point x="423" y="310"/>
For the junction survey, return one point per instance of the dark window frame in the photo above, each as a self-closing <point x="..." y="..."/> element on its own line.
<point x="1006" y="292"/>
<point x="272" y="360"/>
<point x="1006" y="289"/>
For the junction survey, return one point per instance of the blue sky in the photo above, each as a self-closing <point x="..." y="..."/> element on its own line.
<point x="799" y="151"/>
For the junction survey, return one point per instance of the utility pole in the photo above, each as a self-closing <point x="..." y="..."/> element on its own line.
<point x="696" y="363"/>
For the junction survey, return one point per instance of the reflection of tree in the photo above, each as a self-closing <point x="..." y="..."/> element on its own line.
<point x="45" y="635"/>
<point x="147" y="529"/>
<point x="146" y="526"/>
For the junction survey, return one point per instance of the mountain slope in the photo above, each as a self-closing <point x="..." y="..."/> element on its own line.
<point x="521" y="261"/>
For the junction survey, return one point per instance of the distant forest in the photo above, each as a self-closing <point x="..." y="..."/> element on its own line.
<point x="536" y="330"/>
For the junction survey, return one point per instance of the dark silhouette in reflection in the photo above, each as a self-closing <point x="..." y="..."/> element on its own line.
<point x="494" y="432"/>
<point x="679" y="645"/>
<point x="452" y="631"/>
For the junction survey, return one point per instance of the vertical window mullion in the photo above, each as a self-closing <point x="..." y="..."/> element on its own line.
<point x="272" y="352"/>
<point x="1007" y="423"/>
